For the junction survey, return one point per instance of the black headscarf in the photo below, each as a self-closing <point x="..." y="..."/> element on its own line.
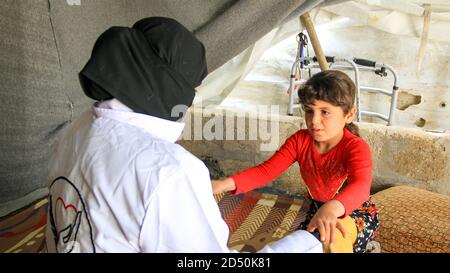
<point x="151" y="67"/>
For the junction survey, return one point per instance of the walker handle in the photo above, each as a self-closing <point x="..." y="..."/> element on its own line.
<point x="364" y="62"/>
<point x="330" y="59"/>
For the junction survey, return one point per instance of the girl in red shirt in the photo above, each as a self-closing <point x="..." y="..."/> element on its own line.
<point x="335" y="164"/>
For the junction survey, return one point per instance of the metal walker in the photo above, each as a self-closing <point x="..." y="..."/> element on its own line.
<point x="356" y="65"/>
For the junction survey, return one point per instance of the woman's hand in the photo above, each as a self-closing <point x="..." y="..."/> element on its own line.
<point x="223" y="185"/>
<point x="326" y="221"/>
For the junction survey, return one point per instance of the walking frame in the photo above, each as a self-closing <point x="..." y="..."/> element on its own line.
<point x="356" y="65"/>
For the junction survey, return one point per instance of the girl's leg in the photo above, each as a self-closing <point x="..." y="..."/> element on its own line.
<point x="367" y="223"/>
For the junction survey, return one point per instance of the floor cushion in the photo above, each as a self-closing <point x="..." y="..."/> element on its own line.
<point x="413" y="220"/>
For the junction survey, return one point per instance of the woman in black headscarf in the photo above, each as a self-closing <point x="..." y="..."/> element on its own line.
<point x="151" y="67"/>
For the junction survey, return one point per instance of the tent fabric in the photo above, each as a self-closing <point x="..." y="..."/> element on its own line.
<point x="398" y="17"/>
<point x="393" y="16"/>
<point x="34" y="104"/>
<point x="45" y="43"/>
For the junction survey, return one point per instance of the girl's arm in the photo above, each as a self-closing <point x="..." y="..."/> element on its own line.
<point x="264" y="173"/>
<point x="326" y="221"/>
<point x="223" y="185"/>
<point x="359" y="164"/>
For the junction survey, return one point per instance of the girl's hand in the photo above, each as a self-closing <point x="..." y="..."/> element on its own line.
<point x="326" y="221"/>
<point x="224" y="185"/>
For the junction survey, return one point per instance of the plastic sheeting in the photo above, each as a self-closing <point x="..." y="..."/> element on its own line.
<point x="400" y="17"/>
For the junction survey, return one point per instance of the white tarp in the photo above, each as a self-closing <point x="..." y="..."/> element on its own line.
<point x="402" y="17"/>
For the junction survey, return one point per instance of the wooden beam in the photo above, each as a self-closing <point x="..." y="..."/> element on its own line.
<point x="424" y="39"/>
<point x="308" y="24"/>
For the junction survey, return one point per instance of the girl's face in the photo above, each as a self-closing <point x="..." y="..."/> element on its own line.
<point x="325" y="121"/>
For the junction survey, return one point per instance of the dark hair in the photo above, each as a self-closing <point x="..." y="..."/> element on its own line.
<point x="332" y="86"/>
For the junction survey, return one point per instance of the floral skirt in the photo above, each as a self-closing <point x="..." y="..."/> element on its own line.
<point x="365" y="217"/>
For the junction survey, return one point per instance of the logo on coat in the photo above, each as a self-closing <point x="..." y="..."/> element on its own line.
<point x="69" y="218"/>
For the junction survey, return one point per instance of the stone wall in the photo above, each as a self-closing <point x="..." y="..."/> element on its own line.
<point x="401" y="156"/>
<point x="424" y="95"/>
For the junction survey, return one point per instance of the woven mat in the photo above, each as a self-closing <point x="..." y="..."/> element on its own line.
<point x="255" y="219"/>
<point x="413" y="220"/>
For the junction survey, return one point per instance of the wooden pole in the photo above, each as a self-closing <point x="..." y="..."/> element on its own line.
<point x="424" y="39"/>
<point x="308" y="24"/>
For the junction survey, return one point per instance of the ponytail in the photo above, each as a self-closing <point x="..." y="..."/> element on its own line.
<point x="353" y="128"/>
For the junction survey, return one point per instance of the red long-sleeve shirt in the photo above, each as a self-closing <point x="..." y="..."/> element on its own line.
<point x="323" y="174"/>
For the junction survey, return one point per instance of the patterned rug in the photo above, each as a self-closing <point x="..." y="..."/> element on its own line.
<point x="413" y="220"/>
<point x="24" y="230"/>
<point x="255" y="219"/>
